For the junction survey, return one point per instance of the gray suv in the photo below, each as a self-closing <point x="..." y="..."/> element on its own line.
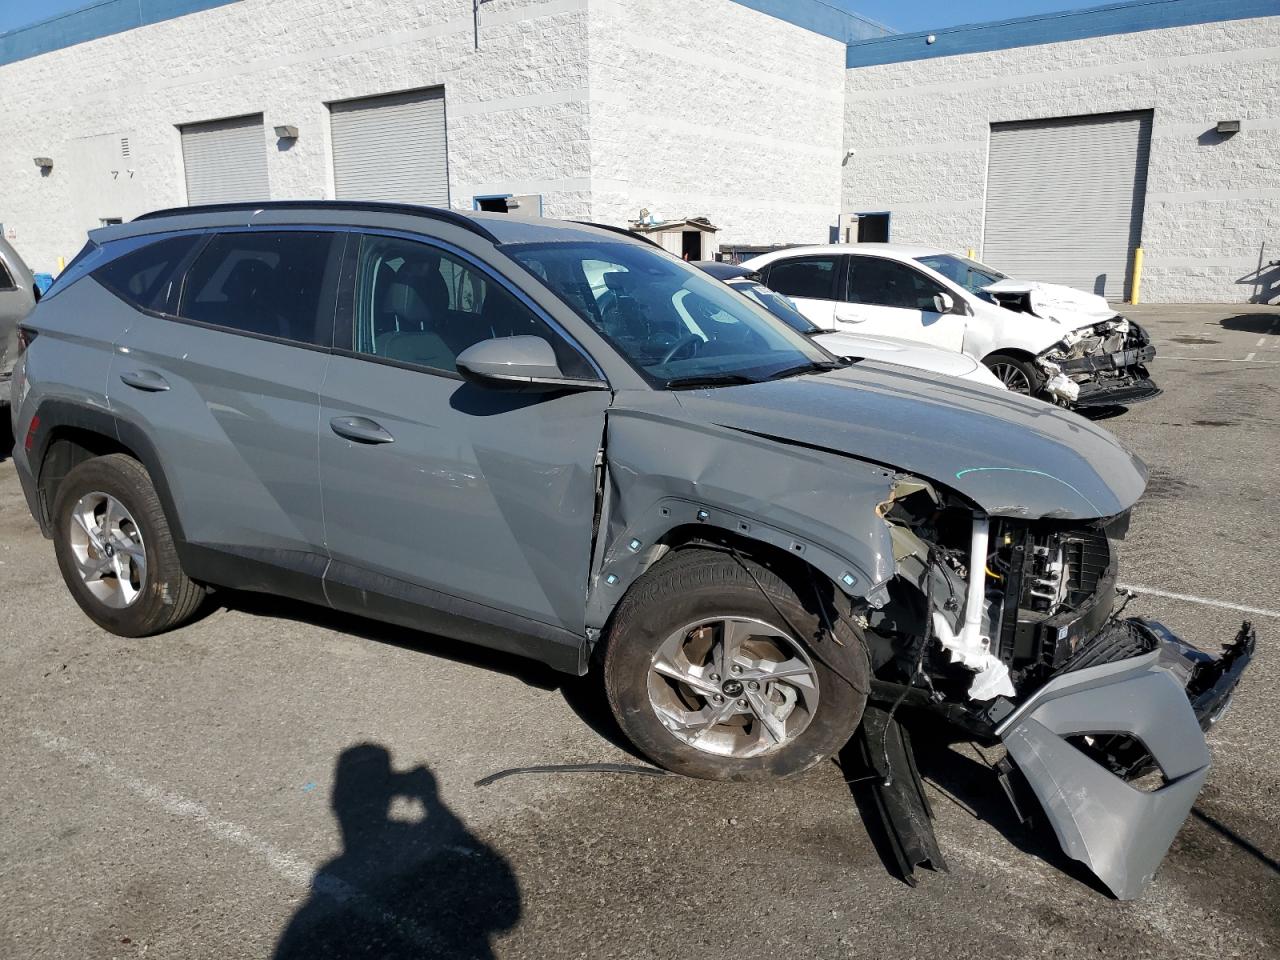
<point x="555" y="439"/>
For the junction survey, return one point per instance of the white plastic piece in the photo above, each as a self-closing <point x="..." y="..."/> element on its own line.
<point x="1063" y="387"/>
<point x="969" y="647"/>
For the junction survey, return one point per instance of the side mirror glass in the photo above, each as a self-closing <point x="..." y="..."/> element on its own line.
<point x="943" y="303"/>
<point x="518" y="363"/>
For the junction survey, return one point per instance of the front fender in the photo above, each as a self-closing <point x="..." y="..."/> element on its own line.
<point x="661" y="474"/>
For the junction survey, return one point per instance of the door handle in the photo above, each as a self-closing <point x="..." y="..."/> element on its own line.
<point x="360" y="429"/>
<point x="844" y="316"/>
<point x="147" y="380"/>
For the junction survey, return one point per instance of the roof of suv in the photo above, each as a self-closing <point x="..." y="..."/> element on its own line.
<point x="495" y="227"/>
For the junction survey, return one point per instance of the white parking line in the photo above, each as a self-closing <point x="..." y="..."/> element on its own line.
<point x="1249" y="356"/>
<point x="1219" y="359"/>
<point x="286" y="865"/>
<point x="1261" y="341"/>
<point x="1206" y="601"/>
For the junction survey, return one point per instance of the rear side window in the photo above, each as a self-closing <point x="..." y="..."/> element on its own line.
<point x="6" y="281"/>
<point x="887" y="283"/>
<point x="143" y="278"/>
<point x="813" y="278"/>
<point x="271" y="284"/>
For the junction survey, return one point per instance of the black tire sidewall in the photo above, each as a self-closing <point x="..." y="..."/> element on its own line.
<point x="685" y="593"/>
<point x="126" y="481"/>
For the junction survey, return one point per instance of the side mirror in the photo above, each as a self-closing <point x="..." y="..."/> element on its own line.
<point x="943" y="303"/>
<point x="518" y="363"/>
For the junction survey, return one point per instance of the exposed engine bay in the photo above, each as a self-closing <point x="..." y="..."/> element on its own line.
<point x="1100" y="365"/>
<point x="1011" y="629"/>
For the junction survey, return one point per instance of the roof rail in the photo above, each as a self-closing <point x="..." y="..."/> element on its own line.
<point x="376" y="206"/>
<point x="622" y="230"/>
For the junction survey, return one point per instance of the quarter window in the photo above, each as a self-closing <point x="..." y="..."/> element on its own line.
<point x="272" y="284"/>
<point x="420" y="305"/>
<point x="144" y="278"/>
<point x="812" y="278"/>
<point x="887" y="283"/>
<point x="6" y="281"/>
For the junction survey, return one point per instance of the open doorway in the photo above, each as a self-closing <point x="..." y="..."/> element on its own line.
<point x="873" y="228"/>
<point x="691" y="244"/>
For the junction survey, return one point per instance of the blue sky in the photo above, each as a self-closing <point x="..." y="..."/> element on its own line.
<point x="906" y="17"/>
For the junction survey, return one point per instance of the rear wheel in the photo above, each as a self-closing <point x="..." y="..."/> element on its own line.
<point x="725" y="673"/>
<point x="115" y="550"/>
<point x="1016" y="374"/>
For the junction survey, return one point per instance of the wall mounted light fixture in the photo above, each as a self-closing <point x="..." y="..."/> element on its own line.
<point x="1228" y="126"/>
<point x="44" y="163"/>
<point x="286" y="132"/>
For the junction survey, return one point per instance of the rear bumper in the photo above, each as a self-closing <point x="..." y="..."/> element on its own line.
<point x="1164" y="699"/>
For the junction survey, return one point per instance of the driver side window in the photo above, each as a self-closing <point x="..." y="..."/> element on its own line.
<point x="887" y="283"/>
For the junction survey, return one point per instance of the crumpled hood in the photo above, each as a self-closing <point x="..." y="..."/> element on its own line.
<point x="1066" y="305"/>
<point x="905" y="352"/>
<point x="1012" y="455"/>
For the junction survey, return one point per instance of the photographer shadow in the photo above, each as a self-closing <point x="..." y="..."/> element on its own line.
<point x="411" y="881"/>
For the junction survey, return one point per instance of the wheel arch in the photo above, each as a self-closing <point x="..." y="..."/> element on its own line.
<point x="674" y="524"/>
<point x="71" y="433"/>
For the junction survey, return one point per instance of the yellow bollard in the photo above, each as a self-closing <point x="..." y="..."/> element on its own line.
<point x="1135" y="289"/>
<point x="972" y="254"/>
<point x="62" y="263"/>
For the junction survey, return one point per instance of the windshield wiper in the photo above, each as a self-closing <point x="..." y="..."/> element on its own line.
<point x="809" y="366"/>
<point x="708" y="380"/>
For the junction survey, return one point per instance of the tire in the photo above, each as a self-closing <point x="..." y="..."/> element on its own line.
<point x="697" y="585"/>
<point x="1007" y="367"/>
<point x="154" y="594"/>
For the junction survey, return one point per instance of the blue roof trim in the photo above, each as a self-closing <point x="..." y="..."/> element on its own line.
<point x="1053" y="28"/>
<point x="91" y="22"/>
<point x="827" y="17"/>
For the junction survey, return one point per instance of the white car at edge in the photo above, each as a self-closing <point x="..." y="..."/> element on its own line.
<point x="1051" y="341"/>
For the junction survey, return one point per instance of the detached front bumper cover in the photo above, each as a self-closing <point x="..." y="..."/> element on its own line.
<point x="1164" y="699"/>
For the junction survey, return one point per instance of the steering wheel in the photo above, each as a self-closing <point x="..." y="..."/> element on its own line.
<point x="686" y="340"/>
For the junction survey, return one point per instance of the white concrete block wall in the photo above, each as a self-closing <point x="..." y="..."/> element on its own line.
<point x="1212" y="209"/>
<point x="713" y="109"/>
<point x="516" y="108"/>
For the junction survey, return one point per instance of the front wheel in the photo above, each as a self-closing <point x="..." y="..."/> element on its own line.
<point x="721" y="672"/>
<point x="1016" y="374"/>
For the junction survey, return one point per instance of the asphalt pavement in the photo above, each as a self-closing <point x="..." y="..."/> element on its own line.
<point x="279" y="780"/>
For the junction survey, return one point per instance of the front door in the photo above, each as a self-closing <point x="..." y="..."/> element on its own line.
<point x="887" y="298"/>
<point x="441" y="495"/>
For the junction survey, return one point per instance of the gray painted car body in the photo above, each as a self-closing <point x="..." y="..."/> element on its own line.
<point x="518" y="520"/>
<point x="17" y="297"/>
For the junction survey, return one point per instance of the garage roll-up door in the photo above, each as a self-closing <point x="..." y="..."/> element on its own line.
<point x="1064" y="199"/>
<point x="225" y="160"/>
<point x="391" y="148"/>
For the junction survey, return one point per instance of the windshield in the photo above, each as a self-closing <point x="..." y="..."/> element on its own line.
<point x="777" y="304"/>
<point x="962" y="271"/>
<point x="673" y="323"/>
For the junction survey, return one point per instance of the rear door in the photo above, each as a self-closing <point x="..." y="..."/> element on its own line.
<point x="811" y="282"/>
<point x="892" y="299"/>
<point x="224" y="375"/>
<point x="474" y="502"/>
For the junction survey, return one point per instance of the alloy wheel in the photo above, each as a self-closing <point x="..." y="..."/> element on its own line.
<point x="1014" y="379"/>
<point x="106" y="544"/>
<point x="733" y="686"/>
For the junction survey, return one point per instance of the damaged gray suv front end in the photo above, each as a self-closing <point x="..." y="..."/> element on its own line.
<point x="975" y="540"/>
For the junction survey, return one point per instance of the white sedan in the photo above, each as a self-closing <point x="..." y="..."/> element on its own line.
<point x="885" y="349"/>
<point x="1050" y="341"/>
